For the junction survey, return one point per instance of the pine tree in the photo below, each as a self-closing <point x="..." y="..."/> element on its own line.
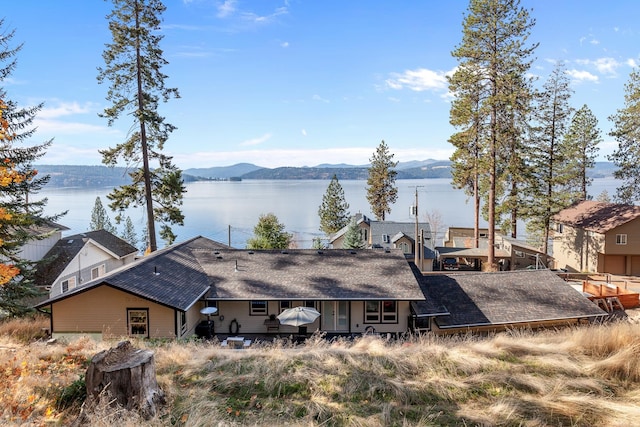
<point x="269" y="234"/>
<point x="581" y="142"/>
<point x="626" y="130"/>
<point x="333" y="211"/>
<point x="550" y="186"/>
<point x="129" y="233"/>
<point x="100" y="218"/>
<point x="381" y="189"/>
<point x="133" y="64"/>
<point x="353" y="236"/>
<point x="493" y="59"/>
<point x="21" y="209"/>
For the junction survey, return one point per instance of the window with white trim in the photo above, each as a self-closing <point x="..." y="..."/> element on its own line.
<point x="138" y="320"/>
<point x="284" y="305"/>
<point x="258" y="308"/>
<point x="621" y="239"/>
<point x="310" y="304"/>
<point x="381" y="312"/>
<point x="519" y="254"/>
<point x="183" y="322"/>
<point x="68" y="284"/>
<point x="97" y="271"/>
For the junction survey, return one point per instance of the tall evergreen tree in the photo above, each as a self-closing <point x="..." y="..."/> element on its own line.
<point x="493" y="57"/>
<point x="269" y="233"/>
<point x="381" y="189"/>
<point x="467" y="116"/>
<point x="100" y="218"/>
<point x="550" y="189"/>
<point x="581" y="143"/>
<point x="133" y="64"/>
<point x="353" y="236"/>
<point x="626" y="130"/>
<point x="333" y="211"/>
<point x="129" y="233"/>
<point x="21" y="209"/>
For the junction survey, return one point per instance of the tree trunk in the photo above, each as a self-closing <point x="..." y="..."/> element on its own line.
<point x="128" y="376"/>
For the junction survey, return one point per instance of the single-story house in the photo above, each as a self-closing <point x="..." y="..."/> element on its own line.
<point x="162" y="294"/>
<point x="599" y="237"/>
<point x="481" y="301"/>
<point x="80" y="258"/>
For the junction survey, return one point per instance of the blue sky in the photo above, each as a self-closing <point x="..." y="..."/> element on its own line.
<point x="300" y="82"/>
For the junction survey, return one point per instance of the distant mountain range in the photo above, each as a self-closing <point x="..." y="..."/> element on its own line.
<point x="103" y="176"/>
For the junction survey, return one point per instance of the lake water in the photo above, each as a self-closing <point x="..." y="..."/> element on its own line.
<point x="213" y="208"/>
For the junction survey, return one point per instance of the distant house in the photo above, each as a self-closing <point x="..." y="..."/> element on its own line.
<point x="598" y="237"/>
<point x="161" y="295"/>
<point x="464" y="301"/>
<point x="511" y="254"/>
<point x="391" y="235"/>
<point x="45" y="236"/>
<point x="77" y="259"/>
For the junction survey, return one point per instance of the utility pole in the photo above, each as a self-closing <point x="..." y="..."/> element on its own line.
<point x="414" y="211"/>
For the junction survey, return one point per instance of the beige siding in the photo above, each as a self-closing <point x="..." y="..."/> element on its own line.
<point x="193" y="318"/>
<point x="239" y="311"/>
<point x="577" y="250"/>
<point x="104" y="310"/>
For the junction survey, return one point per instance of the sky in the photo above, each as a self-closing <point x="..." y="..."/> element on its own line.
<point x="299" y="82"/>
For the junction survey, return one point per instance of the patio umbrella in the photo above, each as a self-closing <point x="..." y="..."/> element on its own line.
<point x="298" y="316"/>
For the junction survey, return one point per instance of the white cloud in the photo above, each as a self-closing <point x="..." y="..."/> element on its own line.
<point x="632" y="63"/>
<point x="602" y="65"/>
<point x="256" y="141"/>
<point x="319" y="98"/>
<point x="64" y="109"/>
<point x="582" y="76"/>
<point x="284" y="44"/>
<point x="417" y="80"/>
<point x="594" y="42"/>
<point x="226" y="8"/>
<point x="304" y="132"/>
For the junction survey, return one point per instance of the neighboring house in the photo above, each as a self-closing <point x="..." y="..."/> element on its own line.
<point x="592" y="236"/>
<point x="391" y="235"/>
<point x="161" y="295"/>
<point x="511" y="254"/>
<point x="80" y="258"/>
<point x="45" y="237"/>
<point x="459" y="302"/>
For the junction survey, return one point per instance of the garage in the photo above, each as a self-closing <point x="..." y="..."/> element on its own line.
<point x="614" y="264"/>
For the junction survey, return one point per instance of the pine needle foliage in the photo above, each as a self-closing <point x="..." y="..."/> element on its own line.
<point x="100" y="218"/>
<point x="353" y="236"/>
<point x="269" y="233"/>
<point x="381" y="189"/>
<point x="334" y="210"/>
<point x="133" y="64"/>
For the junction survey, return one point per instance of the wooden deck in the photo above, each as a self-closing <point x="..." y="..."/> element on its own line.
<point x="606" y="292"/>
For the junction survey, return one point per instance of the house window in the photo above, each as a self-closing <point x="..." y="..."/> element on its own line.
<point x="519" y="254"/>
<point x="405" y="248"/>
<point x="68" y="284"/>
<point x="97" y="272"/>
<point x="284" y="305"/>
<point x="372" y="312"/>
<point x="389" y="311"/>
<point x="363" y="233"/>
<point x="559" y="228"/>
<point x="258" y="308"/>
<point x="138" y="322"/>
<point x="211" y="303"/>
<point x="381" y="312"/>
<point x="621" y="239"/>
<point x="385" y="238"/>
<point x="310" y="304"/>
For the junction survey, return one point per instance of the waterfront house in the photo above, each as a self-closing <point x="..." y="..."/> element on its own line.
<point x="161" y="295"/>
<point x="592" y="236"/>
<point x="80" y="258"/>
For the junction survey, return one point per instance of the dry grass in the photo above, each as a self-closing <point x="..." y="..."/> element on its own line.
<point x="585" y="376"/>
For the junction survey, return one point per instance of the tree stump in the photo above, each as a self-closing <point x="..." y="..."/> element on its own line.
<point x="127" y="376"/>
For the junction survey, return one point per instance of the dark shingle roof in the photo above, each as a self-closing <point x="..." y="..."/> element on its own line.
<point x="334" y="274"/>
<point x="171" y="276"/>
<point x="476" y="299"/>
<point x="65" y="249"/>
<point x="597" y="216"/>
